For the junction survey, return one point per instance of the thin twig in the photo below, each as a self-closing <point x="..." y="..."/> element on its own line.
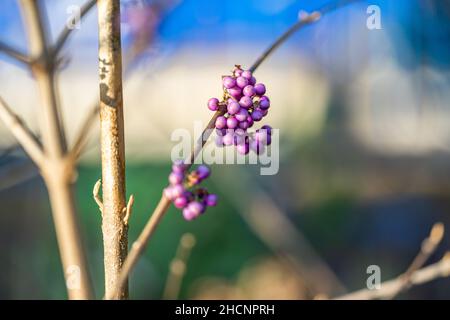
<point x="140" y="244"/>
<point x="434" y="271"/>
<point x="96" y="195"/>
<point x="64" y="35"/>
<point x="57" y="169"/>
<point x="23" y="135"/>
<point x="82" y="136"/>
<point x="428" y="247"/>
<point x="128" y="210"/>
<point x="177" y="267"/>
<point x="14" y="53"/>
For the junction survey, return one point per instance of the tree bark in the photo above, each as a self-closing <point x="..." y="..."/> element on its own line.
<point x="115" y="231"/>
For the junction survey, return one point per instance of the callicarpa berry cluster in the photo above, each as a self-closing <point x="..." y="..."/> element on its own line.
<point x="244" y="102"/>
<point x="185" y="193"/>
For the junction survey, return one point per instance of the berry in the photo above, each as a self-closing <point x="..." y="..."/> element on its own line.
<point x="233" y="107"/>
<point x="211" y="200"/>
<point x="247" y="74"/>
<point x="243" y="125"/>
<point x="267" y="128"/>
<point x="177" y="190"/>
<point x="243" y="148"/>
<point x="232" y="122"/>
<point x="241" y="115"/>
<point x="196" y="208"/>
<point x="235" y="92"/>
<point x="213" y="104"/>
<point x="257" y="115"/>
<point x="228" y="139"/>
<point x="260" y="89"/>
<point x="228" y="82"/>
<point x="178" y="166"/>
<point x="203" y="172"/>
<point x="168" y="193"/>
<point x="241" y="82"/>
<point x="264" y="103"/>
<point x="246" y="102"/>
<point x="221" y="122"/>
<point x="180" y="202"/>
<point x="176" y="178"/>
<point x="188" y="214"/>
<point x="252" y="81"/>
<point x="248" y="91"/>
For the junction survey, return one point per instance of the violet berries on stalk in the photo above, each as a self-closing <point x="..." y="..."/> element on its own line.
<point x="185" y="193"/>
<point x="244" y="102"/>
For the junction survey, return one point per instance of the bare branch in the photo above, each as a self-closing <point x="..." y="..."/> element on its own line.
<point x="429" y="246"/>
<point x="58" y="169"/>
<point x="128" y="210"/>
<point x="178" y="266"/>
<point x="96" y="196"/>
<point x="81" y="137"/>
<point x="14" y="53"/>
<point x="23" y="135"/>
<point x="64" y="35"/>
<point x="440" y="269"/>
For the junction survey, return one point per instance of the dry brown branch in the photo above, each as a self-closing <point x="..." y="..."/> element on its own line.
<point x="178" y="266"/>
<point x="115" y="231"/>
<point x="429" y="246"/>
<point x="57" y="169"/>
<point x="128" y="210"/>
<point x="14" y="53"/>
<point x="21" y="132"/>
<point x="437" y="270"/>
<point x="64" y="35"/>
<point x="96" y="195"/>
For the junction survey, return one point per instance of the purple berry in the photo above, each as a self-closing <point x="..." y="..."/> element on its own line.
<point x="221" y="122"/>
<point x="196" y="207"/>
<point x="257" y="115"/>
<point x="203" y="172"/>
<point x="233" y="107"/>
<point x="243" y="125"/>
<point x="213" y="104"/>
<point x="243" y="148"/>
<point x="232" y="122"/>
<point x="235" y="92"/>
<point x="188" y="214"/>
<point x="260" y="89"/>
<point x="228" y="82"/>
<point x="177" y="190"/>
<point x="237" y="72"/>
<point x="242" y="115"/>
<point x="168" y="193"/>
<point x="252" y="81"/>
<point x="221" y="132"/>
<point x="178" y="166"/>
<point x="261" y="136"/>
<point x="250" y="121"/>
<point x="264" y="103"/>
<point x="219" y="141"/>
<point x="228" y="139"/>
<point x="211" y="200"/>
<point x="246" y="102"/>
<point x="241" y="82"/>
<point x="176" y="178"/>
<point x="180" y="202"/>
<point x="248" y="91"/>
<point x="247" y="74"/>
<point x="267" y="128"/>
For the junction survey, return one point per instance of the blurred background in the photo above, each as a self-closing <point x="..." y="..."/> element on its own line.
<point x="364" y="118"/>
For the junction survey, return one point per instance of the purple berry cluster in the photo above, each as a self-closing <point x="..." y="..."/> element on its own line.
<point x="184" y="192"/>
<point x="246" y="103"/>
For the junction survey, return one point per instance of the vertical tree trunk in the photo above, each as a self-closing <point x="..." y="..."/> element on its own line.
<point x="57" y="170"/>
<point x="115" y="237"/>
